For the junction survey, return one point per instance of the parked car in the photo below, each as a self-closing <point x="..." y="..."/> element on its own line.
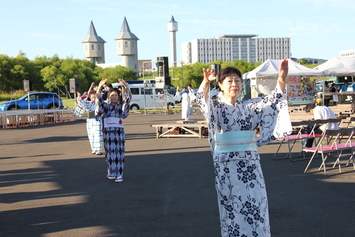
<point x="36" y="100"/>
<point x="147" y="96"/>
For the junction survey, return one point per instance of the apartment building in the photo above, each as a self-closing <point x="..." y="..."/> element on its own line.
<point x="244" y="47"/>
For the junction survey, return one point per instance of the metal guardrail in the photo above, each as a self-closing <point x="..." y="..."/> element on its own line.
<point x="20" y="118"/>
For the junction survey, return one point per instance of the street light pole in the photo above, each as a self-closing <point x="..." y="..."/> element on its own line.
<point x="182" y="74"/>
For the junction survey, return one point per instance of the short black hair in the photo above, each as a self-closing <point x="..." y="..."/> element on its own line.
<point x="309" y="107"/>
<point x="227" y="72"/>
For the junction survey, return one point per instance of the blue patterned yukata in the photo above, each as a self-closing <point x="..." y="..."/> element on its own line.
<point x="114" y="136"/>
<point x="239" y="180"/>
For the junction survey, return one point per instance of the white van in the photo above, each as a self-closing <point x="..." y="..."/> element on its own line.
<point x="145" y="95"/>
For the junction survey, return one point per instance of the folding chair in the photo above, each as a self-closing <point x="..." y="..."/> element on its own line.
<point x="334" y="120"/>
<point x="350" y="122"/>
<point x="322" y="148"/>
<point x="328" y="121"/>
<point x="292" y="139"/>
<point x="312" y="135"/>
<point x="326" y="149"/>
<point x="295" y="125"/>
<point x="349" y="144"/>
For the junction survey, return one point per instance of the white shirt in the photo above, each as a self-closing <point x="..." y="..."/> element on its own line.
<point x="323" y="112"/>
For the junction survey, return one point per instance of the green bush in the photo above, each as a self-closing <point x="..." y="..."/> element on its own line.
<point x="11" y="96"/>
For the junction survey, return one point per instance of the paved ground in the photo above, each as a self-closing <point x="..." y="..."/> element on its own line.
<point x="51" y="185"/>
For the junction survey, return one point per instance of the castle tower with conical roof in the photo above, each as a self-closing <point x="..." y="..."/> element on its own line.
<point x="173" y="28"/>
<point x="127" y="47"/>
<point x="94" y="49"/>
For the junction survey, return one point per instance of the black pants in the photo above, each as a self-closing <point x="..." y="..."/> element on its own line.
<point x="310" y="140"/>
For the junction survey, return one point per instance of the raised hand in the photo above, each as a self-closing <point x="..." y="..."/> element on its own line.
<point x="123" y="82"/>
<point x="283" y="71"/>
<point x="208" y="74"/>
<point x="102" y="82"/>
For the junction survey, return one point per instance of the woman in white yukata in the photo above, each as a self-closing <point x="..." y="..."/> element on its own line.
<point x="113" y="112"/>
<point x="185" y="104"/>
<point x="240" y="185"/>
<point x="93" y="122"/>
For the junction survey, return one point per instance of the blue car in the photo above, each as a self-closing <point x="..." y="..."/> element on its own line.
<point x="37" y="100"/>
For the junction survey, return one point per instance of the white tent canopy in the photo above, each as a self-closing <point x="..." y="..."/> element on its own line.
<point x="270" y="69"/>
<point x="263" y="80"/>
<point x="338" y="66"/>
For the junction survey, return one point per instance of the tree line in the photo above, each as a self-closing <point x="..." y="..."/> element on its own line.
<point x="53" y="73"/>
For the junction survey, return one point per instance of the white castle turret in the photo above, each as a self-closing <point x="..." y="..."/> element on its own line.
<point x="127" y="47"/>
<point x="94" y="49"/>
<point x="173" y="28"/>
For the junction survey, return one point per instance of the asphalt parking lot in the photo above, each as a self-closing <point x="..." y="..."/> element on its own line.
<point x="51" y="185"/>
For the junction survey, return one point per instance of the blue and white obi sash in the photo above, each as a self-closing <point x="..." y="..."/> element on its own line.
<point x="235" y="141"/>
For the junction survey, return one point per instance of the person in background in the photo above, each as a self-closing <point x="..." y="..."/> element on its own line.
<point x="191" y="93"/>
<point x="113" y="111"/>
<point x="320" y="112"/>
<point x="344" y="88"/>
<point x="185" y="104"/>
<point x="239" y="180"/>
<point x="93" y="122"/>
<point x="326" y="90"/>
<point x="177" y="96"/>
<point x="105" y="91"/>
<point x="85" y="94"/>
<point x="192" y="98"/>
<point x="333" y="89"/>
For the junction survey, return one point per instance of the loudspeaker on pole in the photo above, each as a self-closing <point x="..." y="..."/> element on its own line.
<point x="163" y="69"/>
<point x="27" y="85"/>
<point x="74" y="85"/>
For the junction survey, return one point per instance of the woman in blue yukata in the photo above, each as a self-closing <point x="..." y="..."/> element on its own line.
<point x="113" y="112"/>
<point x="239" y="181"/>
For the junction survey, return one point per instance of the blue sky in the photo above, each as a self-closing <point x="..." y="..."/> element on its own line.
<point x="318" y="28"/>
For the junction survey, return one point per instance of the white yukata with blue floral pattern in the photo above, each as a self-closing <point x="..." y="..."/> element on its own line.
<point x="240" y="185"/>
